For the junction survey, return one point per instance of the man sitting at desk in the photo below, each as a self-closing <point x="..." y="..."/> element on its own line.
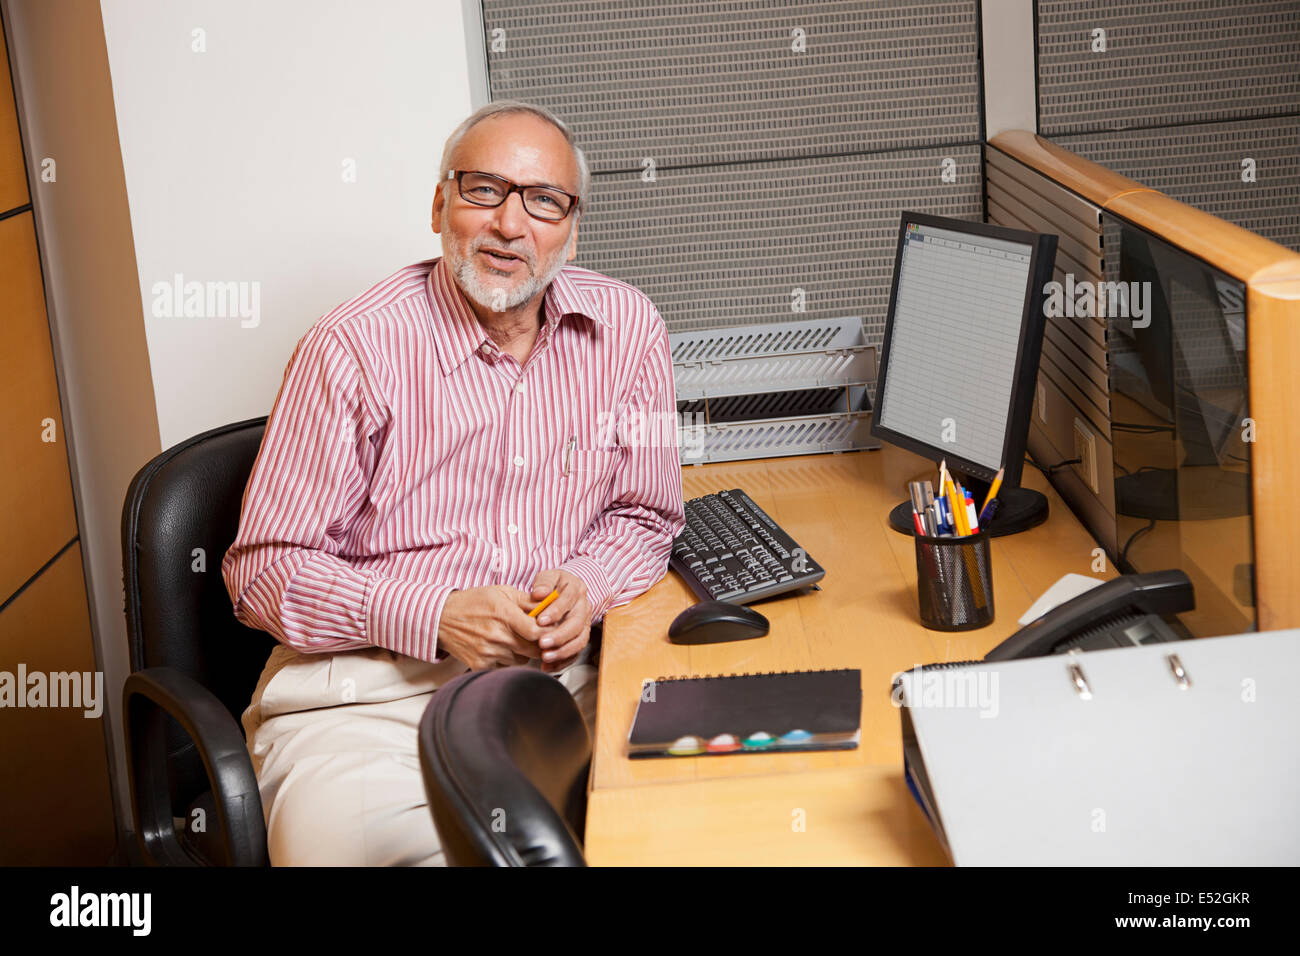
<point x="446" y="449"/>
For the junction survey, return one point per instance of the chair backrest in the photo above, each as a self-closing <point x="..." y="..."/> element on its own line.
<point x="505" y="756"/>
<point x="180" y="517"/>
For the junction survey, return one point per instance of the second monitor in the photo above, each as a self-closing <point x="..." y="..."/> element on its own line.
<point x="959" y="359"/>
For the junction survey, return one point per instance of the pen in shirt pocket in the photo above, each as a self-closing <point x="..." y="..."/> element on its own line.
<point x="568" y="454"/>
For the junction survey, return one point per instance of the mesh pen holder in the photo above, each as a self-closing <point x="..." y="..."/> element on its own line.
<point x="954" y="582"/>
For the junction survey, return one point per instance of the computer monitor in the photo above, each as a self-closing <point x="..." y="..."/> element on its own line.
<point x="959" y="359"/>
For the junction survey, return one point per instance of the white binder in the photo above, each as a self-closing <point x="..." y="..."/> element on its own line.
<point x="1111" y="757"/>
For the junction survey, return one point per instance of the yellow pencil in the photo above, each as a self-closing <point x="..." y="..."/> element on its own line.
<point x="993" y="492"/>
<point x="958" y="509"/>
<point x="943" y="487"/>
<point x="546" y="602"/>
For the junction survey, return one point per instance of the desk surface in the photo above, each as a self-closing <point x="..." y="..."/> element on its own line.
<point x="853" y="806"/>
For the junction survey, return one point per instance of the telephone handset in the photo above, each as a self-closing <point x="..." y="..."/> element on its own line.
<point x="1119" y="613"/>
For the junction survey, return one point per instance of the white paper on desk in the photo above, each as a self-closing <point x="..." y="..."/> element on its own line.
<point x="1066" y="589"/>
<point x="1143" y="773"/>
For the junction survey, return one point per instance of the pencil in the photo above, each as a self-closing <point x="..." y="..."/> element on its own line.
<point x="993" y="492"/>
<point x="958" y="510"/>
<point x="943" y="489"/>
<point x="546" y="602"/>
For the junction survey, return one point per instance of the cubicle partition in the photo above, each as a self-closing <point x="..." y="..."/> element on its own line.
<point x="55" y="802"/>
<point x="1167" y="370"/>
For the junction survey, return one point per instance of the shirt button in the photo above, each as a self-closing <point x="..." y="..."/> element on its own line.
<point x="519" y="461"/>
<point x="519" y="387"/>
<point x="513" y="529"/>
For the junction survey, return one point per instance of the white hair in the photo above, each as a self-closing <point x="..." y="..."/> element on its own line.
<point x="503" y="107"/>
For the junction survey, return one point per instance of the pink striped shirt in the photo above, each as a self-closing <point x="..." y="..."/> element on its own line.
<point x="408" y="456"/>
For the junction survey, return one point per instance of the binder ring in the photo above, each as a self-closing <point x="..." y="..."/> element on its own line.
<point x="1080" y="682"/>
<point x="1175" y="665"/>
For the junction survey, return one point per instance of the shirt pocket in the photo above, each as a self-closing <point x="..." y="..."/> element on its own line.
<point x="583" y="481"/>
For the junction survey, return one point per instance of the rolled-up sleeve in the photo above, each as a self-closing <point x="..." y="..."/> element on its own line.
<point x="625" y="550"/>
<point x="284" y="572"/>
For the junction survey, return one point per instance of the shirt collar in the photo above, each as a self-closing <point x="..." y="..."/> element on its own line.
<point x="459" y="333"/>
<point x="564" y="297"/>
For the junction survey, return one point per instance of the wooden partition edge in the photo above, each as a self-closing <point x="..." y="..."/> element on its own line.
<point x="1090" y="180"/>
<point x="1239" y="252"/>
<point x="1273" y="334"/>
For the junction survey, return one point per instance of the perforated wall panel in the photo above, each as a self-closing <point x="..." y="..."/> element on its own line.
<point x="750" y="159"/>
<point x="722" y="82"/>
<point x="1165" y="62"/>
<point x="1203" y="166"/>
<point x="721" y="246"/>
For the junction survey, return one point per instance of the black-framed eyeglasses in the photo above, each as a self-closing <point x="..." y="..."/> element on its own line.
<point x="541" y="202"/>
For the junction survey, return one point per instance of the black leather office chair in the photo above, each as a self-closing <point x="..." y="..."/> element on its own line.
<point x="505" y="755"/>
<point x="194" y="666"/>
<point x="510" y="739"/>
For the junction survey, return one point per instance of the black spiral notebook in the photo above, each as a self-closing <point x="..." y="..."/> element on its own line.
<point x="748" y="713"/>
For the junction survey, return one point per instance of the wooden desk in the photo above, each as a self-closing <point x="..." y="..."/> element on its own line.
<point x="856" y="809"/>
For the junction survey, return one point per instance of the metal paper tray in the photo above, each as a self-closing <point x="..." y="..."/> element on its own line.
<point x="764" y="391"/>
<point x="745" y="360"/>
<point x="776" y="437"/>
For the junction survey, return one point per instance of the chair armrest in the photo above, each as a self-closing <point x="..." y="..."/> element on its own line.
<point x="148" y="696"/>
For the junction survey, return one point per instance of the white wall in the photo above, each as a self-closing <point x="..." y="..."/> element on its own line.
<point x="234" y="171"/>
<point x="231" y="161"/>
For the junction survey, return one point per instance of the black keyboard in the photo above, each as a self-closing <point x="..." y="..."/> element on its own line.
<point x="730" y="550"/>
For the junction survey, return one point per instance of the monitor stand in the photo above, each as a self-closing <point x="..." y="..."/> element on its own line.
<point x="1019" y="509"/>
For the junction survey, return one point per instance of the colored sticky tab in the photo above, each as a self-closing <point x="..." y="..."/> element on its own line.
<point x="796" y="737"/>
<point x="759" y="740"/>
<point x="723" y="743"/>
<point x="685" y="746"/>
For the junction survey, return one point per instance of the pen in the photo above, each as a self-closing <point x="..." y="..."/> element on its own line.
<point x="546" y="602"/>
<point x="568" y="454"/>
<point x="971" y="518"/>
<point x="926" y="525"/>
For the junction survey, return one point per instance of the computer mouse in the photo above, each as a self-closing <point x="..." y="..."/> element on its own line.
<point x="713" y="622"/>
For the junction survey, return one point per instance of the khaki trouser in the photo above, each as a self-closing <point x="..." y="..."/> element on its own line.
<point x="333" y="739"/>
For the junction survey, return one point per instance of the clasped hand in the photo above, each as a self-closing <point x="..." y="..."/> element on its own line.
<point x="488" y="627"/>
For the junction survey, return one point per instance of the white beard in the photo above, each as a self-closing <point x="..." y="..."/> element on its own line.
<point x="490" y="295"/>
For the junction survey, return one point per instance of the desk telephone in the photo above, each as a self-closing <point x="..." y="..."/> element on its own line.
<point x="1120" y="613"/>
